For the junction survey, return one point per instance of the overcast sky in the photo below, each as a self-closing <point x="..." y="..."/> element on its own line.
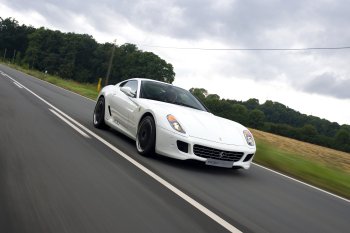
<point x="312" y="82"/>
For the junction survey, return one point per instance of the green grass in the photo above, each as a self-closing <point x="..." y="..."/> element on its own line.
<point x="310" y="171"/>
<point x="296" y="165"/>
<point x="85" y="89"/>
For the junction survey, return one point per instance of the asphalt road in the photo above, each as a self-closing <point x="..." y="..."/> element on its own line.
<point x="54" y="179"/>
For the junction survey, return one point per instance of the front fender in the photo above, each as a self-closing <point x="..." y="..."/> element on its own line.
<point x="106" y="91"/>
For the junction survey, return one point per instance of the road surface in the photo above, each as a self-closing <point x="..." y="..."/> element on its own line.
<point x="57" y="177"/>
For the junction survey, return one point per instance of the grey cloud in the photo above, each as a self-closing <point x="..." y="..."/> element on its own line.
<point x="329" y="84"/>
<point x="237" y="24"/>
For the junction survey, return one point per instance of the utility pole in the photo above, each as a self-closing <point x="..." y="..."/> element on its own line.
<point x="110" y="63"/>
<point x="14" y="54"/>
<point x="33" y="59"/>
<point x="5" y="53"/>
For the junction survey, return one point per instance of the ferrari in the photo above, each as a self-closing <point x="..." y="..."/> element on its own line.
<point x="168" y="120"/>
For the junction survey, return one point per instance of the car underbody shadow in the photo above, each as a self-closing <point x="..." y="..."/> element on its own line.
<point x="193" y="165"/>
<point x="196" y="166"/>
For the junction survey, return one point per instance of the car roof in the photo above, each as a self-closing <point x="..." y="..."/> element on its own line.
<point x="147" y="79"/>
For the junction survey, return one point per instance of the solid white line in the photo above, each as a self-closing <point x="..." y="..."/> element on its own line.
<point x="51" y="84"/>
<point x="165" y="183"/>
<point x="17" y="84"/>
<point x="268" y="169"/>
<point x="70" y="124"/>
<point x="301" y="182"/>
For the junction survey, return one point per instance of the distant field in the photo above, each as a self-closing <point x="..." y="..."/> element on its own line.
<point x="323" y="167"/>
<point x="326" y="156"/>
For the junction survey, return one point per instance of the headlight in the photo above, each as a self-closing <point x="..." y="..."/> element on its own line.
<point x="174" y="123"/>
<point x="249" y="137"/>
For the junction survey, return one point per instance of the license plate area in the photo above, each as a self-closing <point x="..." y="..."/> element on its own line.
<point x="219" y="163"/>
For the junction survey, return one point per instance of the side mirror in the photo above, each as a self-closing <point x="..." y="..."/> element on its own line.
<point x="127" y="91"/>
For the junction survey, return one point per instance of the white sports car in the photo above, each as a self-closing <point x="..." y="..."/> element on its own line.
<point x="170" y="121"/>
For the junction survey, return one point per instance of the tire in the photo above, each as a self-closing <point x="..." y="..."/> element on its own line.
<point x="99" y="114"/>
<point x="146" y="136"/>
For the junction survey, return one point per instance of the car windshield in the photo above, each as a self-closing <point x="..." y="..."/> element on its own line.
<point x="169" y="94"/>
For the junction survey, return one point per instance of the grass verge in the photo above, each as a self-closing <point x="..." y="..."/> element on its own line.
<point x="84" y="89"/>
<point x="318" y="166"/>
<point x="312" y="172"/>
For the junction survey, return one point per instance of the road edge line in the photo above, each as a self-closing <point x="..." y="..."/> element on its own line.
<point x="302" y="182"/>
<point x="51" y="83"/>
<point x="156" y="177"/>
<point x="269" y="169"/>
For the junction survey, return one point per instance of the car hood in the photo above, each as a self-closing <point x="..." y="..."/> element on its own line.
<point x="207" y="126"/>
<point x="201" y="124"/>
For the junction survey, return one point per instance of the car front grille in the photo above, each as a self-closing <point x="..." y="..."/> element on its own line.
<point x="207" y="152"/>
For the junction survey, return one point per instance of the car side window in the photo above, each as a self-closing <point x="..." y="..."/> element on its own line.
<point x="132" y="84"/>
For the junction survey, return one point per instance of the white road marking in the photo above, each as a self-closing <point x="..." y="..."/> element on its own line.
<point x="18" y="85"/>
<point x="70" y="124"/>
<point x="165" y="183"/>
<point x="52" y="85"/>
<point x="268" y="169"/>
<point x="301" y="182"/>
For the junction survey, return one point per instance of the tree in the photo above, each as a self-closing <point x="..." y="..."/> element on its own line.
<point x="213" y="97"/>
<point x="200" y="93"/>
<point x="78" y="56"/>
<point x="43" y="51"/>
<point x="342" y="137"/>
<point x="239" y="113"/>
<point x="252" y="104"/>
<point x="130" y="62"/>
<point x="309" y="131"/>
<point x="256" y="118"/>
<point x="13" y="37"/>
<point x="81" y="58"/>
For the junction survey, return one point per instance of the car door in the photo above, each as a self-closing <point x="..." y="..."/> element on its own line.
<point x="124" y="106"/>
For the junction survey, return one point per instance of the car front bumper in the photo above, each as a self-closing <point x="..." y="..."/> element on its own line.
<point x="166" y="144"/>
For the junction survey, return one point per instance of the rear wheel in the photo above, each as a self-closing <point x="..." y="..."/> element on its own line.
<point x="146" y="136"/>
<point x="99" y="113"/>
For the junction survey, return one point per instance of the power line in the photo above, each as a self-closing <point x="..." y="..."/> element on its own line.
<point x="248" y="49"/>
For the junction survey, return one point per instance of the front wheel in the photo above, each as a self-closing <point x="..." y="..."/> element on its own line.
<point x="146" y="136"/>
<point x="99" y="114"/>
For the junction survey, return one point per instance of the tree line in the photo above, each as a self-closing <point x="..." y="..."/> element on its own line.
<point x="278" y="119"/>
<point x="77" y="56"/>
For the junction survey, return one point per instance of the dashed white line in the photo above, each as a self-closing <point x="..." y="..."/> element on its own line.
<point x="165" y="183"/>
<point x="69" y="123"/>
